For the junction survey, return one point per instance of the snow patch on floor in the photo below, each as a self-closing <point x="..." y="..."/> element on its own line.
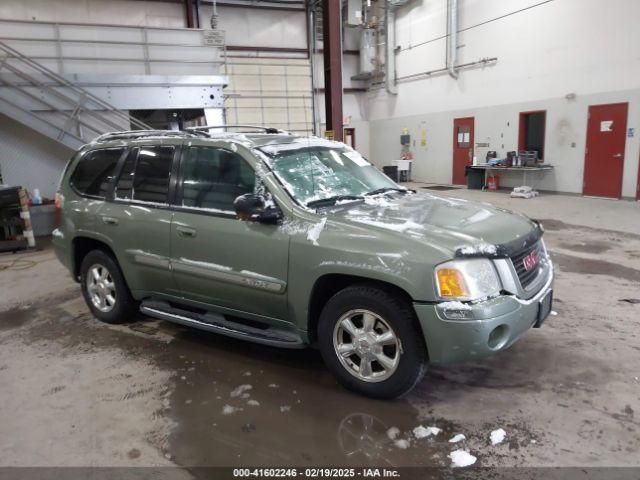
<point x="393" y="433"/>
<point x="228" y="410"/>
<point x="457" y="438"/>
<point x="402" y="443"/>
<point x="497" y="436"/>
<point x="240" y="390"/>
<point x="285" y="408"/>
<point x="422" y="432"/>
<point x="461" y="458"/>
<point x="253" y="403"/>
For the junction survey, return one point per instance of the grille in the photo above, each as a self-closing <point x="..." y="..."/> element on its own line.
<point x="527" y="276"/>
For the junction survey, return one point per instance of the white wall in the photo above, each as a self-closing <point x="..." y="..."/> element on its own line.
<point x="30" y="159"/>
<point x="586" y="47"/>
<point x="116" y="12"/>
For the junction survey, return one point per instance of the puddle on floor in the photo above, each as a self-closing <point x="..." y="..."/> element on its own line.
<point x="570" y="263"/>
<point x="294" y="413"/>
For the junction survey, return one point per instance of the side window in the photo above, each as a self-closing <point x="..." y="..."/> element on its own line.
<point x="213" y="178"/>
<point x="151" y="178"/>
<point x="145" y="176"/>
<point x="124" y="189"/>
<point x="95" y="171"/>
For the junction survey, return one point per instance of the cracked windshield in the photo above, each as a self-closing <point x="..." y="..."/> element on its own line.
<point x="320" y="173"/>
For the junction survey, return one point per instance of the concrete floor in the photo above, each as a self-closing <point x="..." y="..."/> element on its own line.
<point x="78" y="392"/>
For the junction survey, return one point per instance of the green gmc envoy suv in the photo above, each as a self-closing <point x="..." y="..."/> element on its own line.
<point x="295" y="241"/>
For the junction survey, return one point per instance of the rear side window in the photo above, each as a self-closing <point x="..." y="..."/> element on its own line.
<point x="145" y="176"/>
<point x="95" y="171"/>
<point x="213" y="178"/>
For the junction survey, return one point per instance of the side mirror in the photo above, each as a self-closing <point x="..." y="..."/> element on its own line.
<point x="256" y="208"/>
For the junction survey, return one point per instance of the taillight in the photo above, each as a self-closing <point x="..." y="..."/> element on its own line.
<point x="57" y="213"/>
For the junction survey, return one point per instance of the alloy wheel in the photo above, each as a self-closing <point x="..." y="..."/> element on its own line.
<point x="101" y="288"/>
<point x="366" y="345"/>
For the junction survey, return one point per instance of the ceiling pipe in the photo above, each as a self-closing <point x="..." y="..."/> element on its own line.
<point x="452" y="57"/>
<point x="213" y="21"/>
<point x="390" y="44"/>
<point x="481" y="62"/>
<point x="311" y="44"/>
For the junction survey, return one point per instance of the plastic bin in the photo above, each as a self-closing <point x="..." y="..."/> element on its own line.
<point x="391" y="171"/>
<point x="475" y="178"/>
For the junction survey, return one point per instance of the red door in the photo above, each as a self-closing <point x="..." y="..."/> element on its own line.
<point x="462" y="148"/>
<point x="604" y="156"/>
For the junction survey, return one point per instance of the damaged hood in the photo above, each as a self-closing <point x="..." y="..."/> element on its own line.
<point x="459" y="227"/>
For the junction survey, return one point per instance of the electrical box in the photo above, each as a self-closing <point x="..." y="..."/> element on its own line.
<point x="354" y="13"/>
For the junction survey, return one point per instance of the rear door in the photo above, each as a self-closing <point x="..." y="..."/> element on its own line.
<point x="92" y="182"/>
<point x="216" y="258"/>
<point x="604" y="154"/>
<point x="138" y="219"/>
<point x="462" y="148"/>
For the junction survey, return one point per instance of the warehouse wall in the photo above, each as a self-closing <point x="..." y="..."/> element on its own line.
<point x="116" y="12"/>
<point x="30" y="159"/>
<point x="559" y="47"/>
<point x="243" y="26"/>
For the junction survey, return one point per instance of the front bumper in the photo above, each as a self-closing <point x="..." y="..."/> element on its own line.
<point x="497" y="324"/>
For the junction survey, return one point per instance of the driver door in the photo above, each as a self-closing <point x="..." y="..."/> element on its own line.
<point x="217" y="259"/>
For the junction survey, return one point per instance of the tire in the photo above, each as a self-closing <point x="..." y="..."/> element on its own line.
<point x="404" y="362"/>
<point x="120" y="307"/>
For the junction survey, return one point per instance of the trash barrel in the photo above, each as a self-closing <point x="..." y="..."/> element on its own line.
<point x="475" y="178"/>
<point x="391" y="171"/>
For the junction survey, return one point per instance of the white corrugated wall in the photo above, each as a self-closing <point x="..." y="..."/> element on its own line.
<point x="30" y="159"/>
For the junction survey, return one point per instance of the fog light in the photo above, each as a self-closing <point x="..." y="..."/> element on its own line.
<point x="498" y="337"/>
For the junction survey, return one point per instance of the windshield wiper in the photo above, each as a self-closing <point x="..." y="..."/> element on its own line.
<point x="387" y="189"/>
<point x="333" y="200"/>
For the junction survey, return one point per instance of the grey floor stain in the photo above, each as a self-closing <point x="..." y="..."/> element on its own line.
<point x="571" y="263"/>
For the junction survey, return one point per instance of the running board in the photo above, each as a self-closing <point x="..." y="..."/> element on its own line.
<point x="216" y="323"/>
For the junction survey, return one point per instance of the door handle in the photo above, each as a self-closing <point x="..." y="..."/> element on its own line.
<point x="617" y="155"/>
<point x="109" y="221"/>
<point x="186" y="231"/>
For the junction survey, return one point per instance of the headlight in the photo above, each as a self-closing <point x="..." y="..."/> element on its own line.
<point x="467" y="280"/>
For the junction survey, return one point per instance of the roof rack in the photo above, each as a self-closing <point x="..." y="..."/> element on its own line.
<point x="133" y="134"/>
<point x="271" y="130"/>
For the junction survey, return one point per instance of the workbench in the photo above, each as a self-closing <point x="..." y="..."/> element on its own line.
<point x="524" y="170"/>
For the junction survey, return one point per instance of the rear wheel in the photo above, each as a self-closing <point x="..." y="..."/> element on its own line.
<point x="104" y="288"/>
<point x="370" y="341"/>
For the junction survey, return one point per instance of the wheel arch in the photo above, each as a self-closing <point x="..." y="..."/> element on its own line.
<point x="329" y="284"/>
<point x="81" y="246"/>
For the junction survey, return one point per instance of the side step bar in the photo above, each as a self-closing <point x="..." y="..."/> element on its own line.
<point x="216" y="323"/>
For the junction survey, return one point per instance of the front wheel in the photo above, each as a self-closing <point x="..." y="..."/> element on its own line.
<point x="370" y="340"/>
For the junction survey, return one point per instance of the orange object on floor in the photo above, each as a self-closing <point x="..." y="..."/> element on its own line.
<point x="493" y="182"/>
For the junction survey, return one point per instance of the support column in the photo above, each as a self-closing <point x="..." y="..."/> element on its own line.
<point x="332" y="39"/>
<point x="188" y="11"/>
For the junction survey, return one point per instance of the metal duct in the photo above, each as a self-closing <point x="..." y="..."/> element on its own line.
<point x="390" y="44"/>
<point x="452" y="57"/>
<point x="214" y="16"/>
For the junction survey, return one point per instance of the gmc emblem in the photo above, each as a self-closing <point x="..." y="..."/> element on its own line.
<point x="530" y="260"/>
